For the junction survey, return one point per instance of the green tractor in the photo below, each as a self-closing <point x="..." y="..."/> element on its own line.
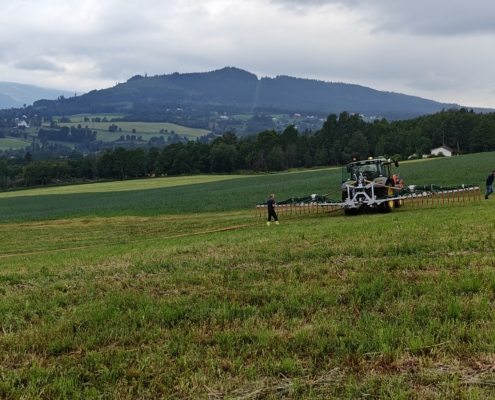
<point x="370" y="184"/>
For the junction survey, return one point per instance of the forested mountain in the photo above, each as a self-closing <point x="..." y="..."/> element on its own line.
<point x="287" y="92"/>
<point x="16" y="94"/>
<point x="234" y="90"/>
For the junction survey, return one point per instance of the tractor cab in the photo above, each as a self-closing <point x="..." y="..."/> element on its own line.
<point x="371" y="170"/>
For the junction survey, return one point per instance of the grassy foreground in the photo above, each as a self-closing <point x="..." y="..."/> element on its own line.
<point x="191" y="304"/>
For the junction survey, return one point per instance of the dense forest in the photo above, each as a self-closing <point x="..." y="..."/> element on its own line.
<point x="342" y="137"/>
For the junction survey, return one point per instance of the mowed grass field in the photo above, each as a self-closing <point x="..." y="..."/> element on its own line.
<point x="10" y="143"/>
<point x="144" y="129"/>
<point x="171" y="288"/>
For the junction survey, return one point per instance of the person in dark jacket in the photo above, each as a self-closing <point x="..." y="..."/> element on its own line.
<point x="489" y="184"/>
<point x="271" y="210"/>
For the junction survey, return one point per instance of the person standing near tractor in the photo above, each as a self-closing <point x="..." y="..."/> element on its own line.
<point x="271" y="210"/>
<point x="489" y="184"/>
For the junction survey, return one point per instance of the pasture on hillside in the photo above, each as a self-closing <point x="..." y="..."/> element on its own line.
<point x="171" y="288"/>
<point x="144" y="129"/>
<point x="11" y="143"/>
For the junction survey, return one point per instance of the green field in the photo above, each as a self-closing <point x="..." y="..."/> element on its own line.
<point x="171" y="288"/>
<point x="8" y="143"/>
<point x="144" y="129"/>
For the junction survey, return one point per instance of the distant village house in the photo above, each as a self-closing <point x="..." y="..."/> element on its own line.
<point x="21" y="123"/>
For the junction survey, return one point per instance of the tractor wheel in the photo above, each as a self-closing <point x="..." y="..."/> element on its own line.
<point x="390" y="205"/>
<point x="351" y="211"/>
<point x="399" y="203"/>
<point x="387" y="206"/>
<point x="381" y="192"/>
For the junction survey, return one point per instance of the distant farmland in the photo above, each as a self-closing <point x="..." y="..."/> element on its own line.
<point x="8" y="143"/>
<point x="144" y="129"/>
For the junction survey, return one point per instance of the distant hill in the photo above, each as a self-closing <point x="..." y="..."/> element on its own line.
<point x="15" y="95"/>
<point x="235" y="90"/>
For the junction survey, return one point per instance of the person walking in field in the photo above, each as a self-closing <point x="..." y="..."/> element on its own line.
<point x="271" y="210"/>
<point x="489" y="184"/>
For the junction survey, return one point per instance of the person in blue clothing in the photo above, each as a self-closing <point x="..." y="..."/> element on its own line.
<point x="489" y="184"/>
<point x="271" y="210"/>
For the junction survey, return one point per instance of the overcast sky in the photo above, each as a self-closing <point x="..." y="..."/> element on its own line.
<point x="442" y="50"/>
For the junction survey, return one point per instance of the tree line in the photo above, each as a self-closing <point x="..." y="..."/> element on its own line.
<point x="341" y="138"/>
<point x="66" y="134"/>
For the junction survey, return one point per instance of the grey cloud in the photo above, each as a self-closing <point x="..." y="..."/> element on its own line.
<point x="316" y="3"/>
<point x="420" y="17"/>
<point x="441" y="18"/>
<point x="302" y="7"/>
<point x="438" y="50"/>
<point x="38" y="65"/>
<point x="436" y="82"/>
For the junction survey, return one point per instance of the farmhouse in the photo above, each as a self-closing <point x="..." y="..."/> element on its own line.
<point x="445" y="150"/>
<point x="21" y="123"/>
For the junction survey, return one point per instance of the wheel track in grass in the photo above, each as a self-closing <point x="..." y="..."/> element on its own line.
<point x="29" y="253"/>
<point x="226" y="229"/>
